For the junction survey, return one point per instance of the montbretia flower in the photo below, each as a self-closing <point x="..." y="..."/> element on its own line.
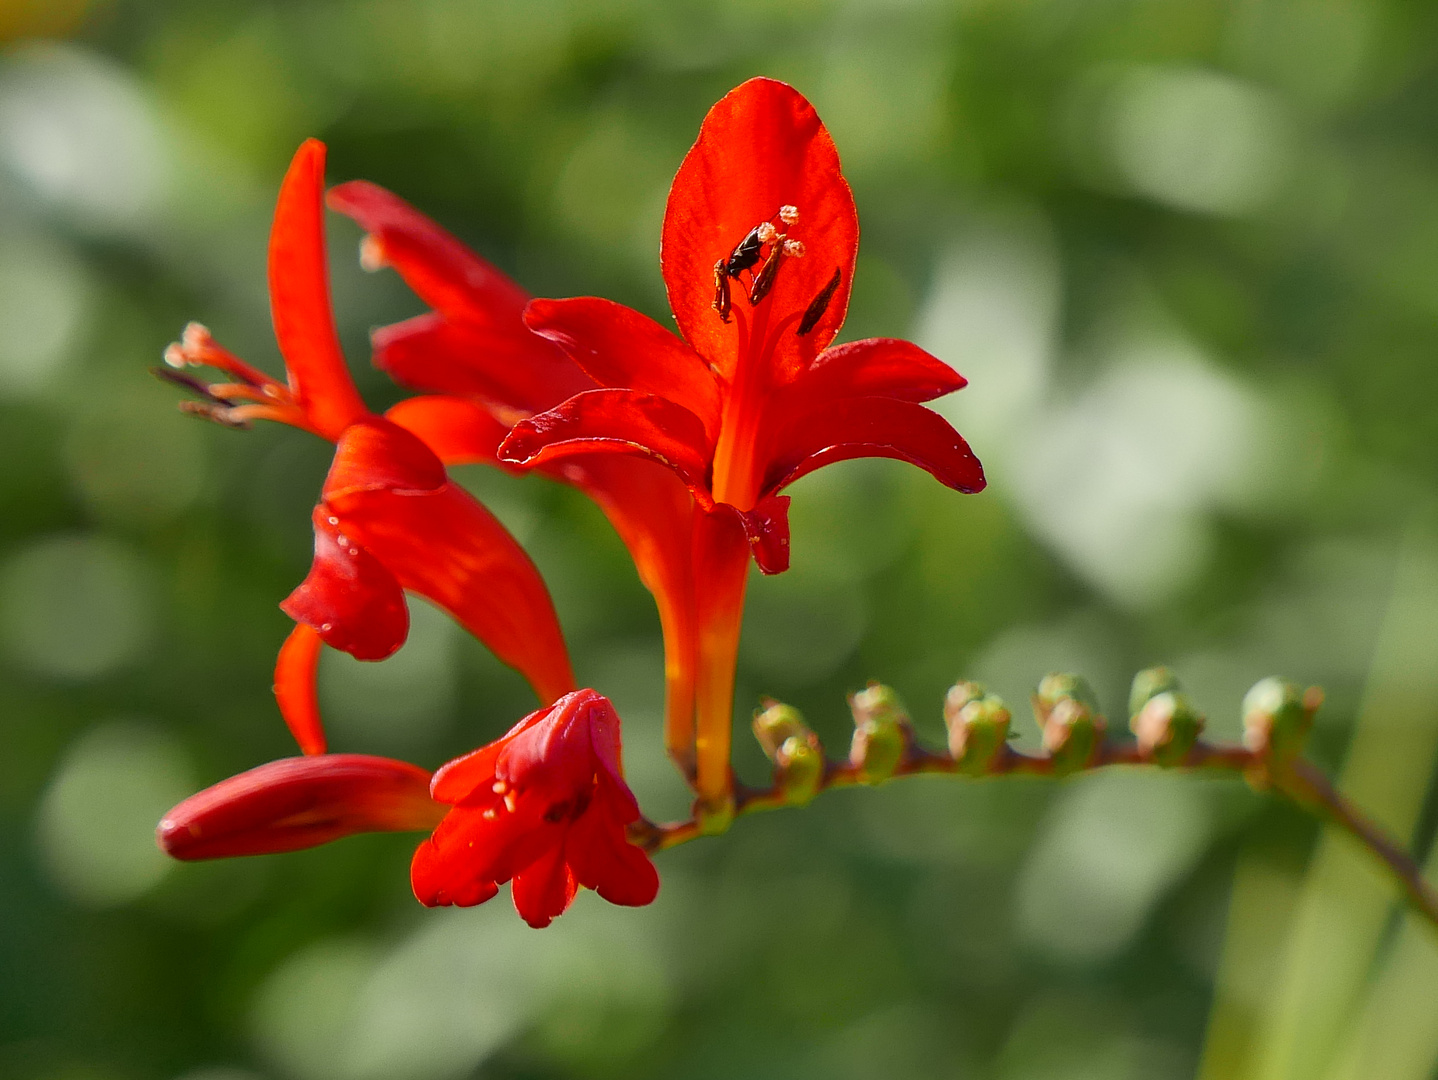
<point x="481" y="371"/>
<point x="759" y="244"/>
<point x="545" y="806"/>
<point x="389" y="520"/>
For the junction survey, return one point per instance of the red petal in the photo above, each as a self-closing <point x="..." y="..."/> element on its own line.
<point x="545" y="888"/>
<point x="458" y="431"/>
<point x="298" y="803"/>
<point x="767" y="527"/>
<point x="873" y="427"/>
<point x="455" y="782"/>
<point x="622" y="349"/>
<point x="508" y="367"/>
<point x="610" y="422"/>
<point x="446" y="547"/>
<point x="295" y="690"/>
<point x="474" y="850"/>
<point x="876" y="367"/>
<point x="348" y="597"/>
<point x="377" y="455"/>
<point x="442" y="271"/>
<point x="760" y="148"/>
<point x="300" y="299"/>
<point x="603" y="860"/>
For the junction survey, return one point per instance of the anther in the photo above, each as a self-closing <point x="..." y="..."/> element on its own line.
<point x="820" y="304"/>
<point x="794" y="249"/>
<point x="764" y="279"/>
<point x="788" y="214"/>
<point x="371" y="253"/>
<point x="766" y="232"/>
<point x="722" y="300"/>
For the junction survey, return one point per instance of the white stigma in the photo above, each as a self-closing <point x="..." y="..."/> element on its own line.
<point x="793" y="249"/>
<point x="767" y="232"/>
<point x="788" y="214"/>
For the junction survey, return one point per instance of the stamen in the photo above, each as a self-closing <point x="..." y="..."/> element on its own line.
<point x="722" y="300"/>
<point x="764" y="280"/>
<point x="820" y="304"/>
<point x="794" y="249"/>
<point x="220" y="414"/>
<point x="788" y="214"/>
<point x="509" y="802"/>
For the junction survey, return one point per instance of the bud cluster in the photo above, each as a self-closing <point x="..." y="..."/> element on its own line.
<point x="978" y="725"/>
<point x="1277" y="718"/>
<point x="794" y="749"/>
<point x="882" y="733"/>
<point x="1162" y="719"/>
<point x="1070" y="723"/>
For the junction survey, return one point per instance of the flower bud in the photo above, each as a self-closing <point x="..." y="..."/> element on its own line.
<point x="978" y="724"/>
<point x="775" y="723"/>
<point x="1166" y="727"/>
<point x="1277" y="717"/>
<point x="799" y="769"/>
<point x="1069" y="721"/>
<point x="1150" y="683"/>
<point x="881" y="733"/>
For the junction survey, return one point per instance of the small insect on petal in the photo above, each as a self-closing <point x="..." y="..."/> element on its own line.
<point x="746" y="253"/>
<point x="820" y="304"/>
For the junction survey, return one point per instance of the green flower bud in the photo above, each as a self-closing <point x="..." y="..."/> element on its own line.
<point x="978" y="729"/>
<point x="959" y="695"/>
<point x="1069" y="720"/>
<point x="1166" y="726"/>
<point x="882" y="733"/>
<point x="775" y="723"/>
<point x="1150" y="683"/>
<point x="1277" y="717"/>
<point x="799" y="769"/>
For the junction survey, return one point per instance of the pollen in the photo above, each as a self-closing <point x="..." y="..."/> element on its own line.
<point x="794" y="249"/>
<point x="510" y="802"/>
<point x="500" y="787"/>
<point x="371" y="253"/>
<point x="766" y="232"/>
<point x="788" y="214"/>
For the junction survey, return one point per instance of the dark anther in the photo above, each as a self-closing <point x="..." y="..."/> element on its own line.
<point x="188" y="382"/>
<point x="721" y="290"/>
<point x="219" y="413"/>
<point x="559" y="811"/>
<point x="820" y="304"/>
<point x="764" y="279"/>
<point x="746" y="252"/>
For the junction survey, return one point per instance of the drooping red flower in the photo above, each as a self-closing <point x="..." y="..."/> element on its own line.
<point x="759" y="244"/>
<point x="390" y="520"/>
<point x="481" y="371"/>
<point x="546" y="806"/>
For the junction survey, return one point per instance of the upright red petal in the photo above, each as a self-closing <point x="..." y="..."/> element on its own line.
<point x="295" y="688"/>
<point x="300" y="299"/>
<point x="349" y="597"/>
<point x="614" y="422"/>
<point x="298" y="803"/>
<point x="872" y="427"/>
<point x="760" y="148"/>
<point x="620" y="348"/>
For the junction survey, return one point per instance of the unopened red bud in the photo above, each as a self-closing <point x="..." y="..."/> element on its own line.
<point x="978" y="724"/>
<point x="882" y="733"/>
<point x="1277" y="717"/>
<point x="1166" y="727"/>
<point x="1149" y="683"/>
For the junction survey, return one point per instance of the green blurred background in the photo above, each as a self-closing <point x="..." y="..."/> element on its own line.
<point x="1186" y="252"/>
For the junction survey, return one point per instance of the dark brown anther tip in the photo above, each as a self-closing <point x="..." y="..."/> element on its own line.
<point x="186" y="382"/>
<point x="217" y="413"/>
<point x="820" y="304"/>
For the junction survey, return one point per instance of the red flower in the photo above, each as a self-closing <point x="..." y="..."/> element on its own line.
<point x="760" y="237"/>
<point x="545" y="806"/>
<point x="389" y="520"/>
<point x="483" y="371"/>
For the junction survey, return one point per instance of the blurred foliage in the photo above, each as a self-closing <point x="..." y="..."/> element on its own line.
<point x="1186" y="253"/>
